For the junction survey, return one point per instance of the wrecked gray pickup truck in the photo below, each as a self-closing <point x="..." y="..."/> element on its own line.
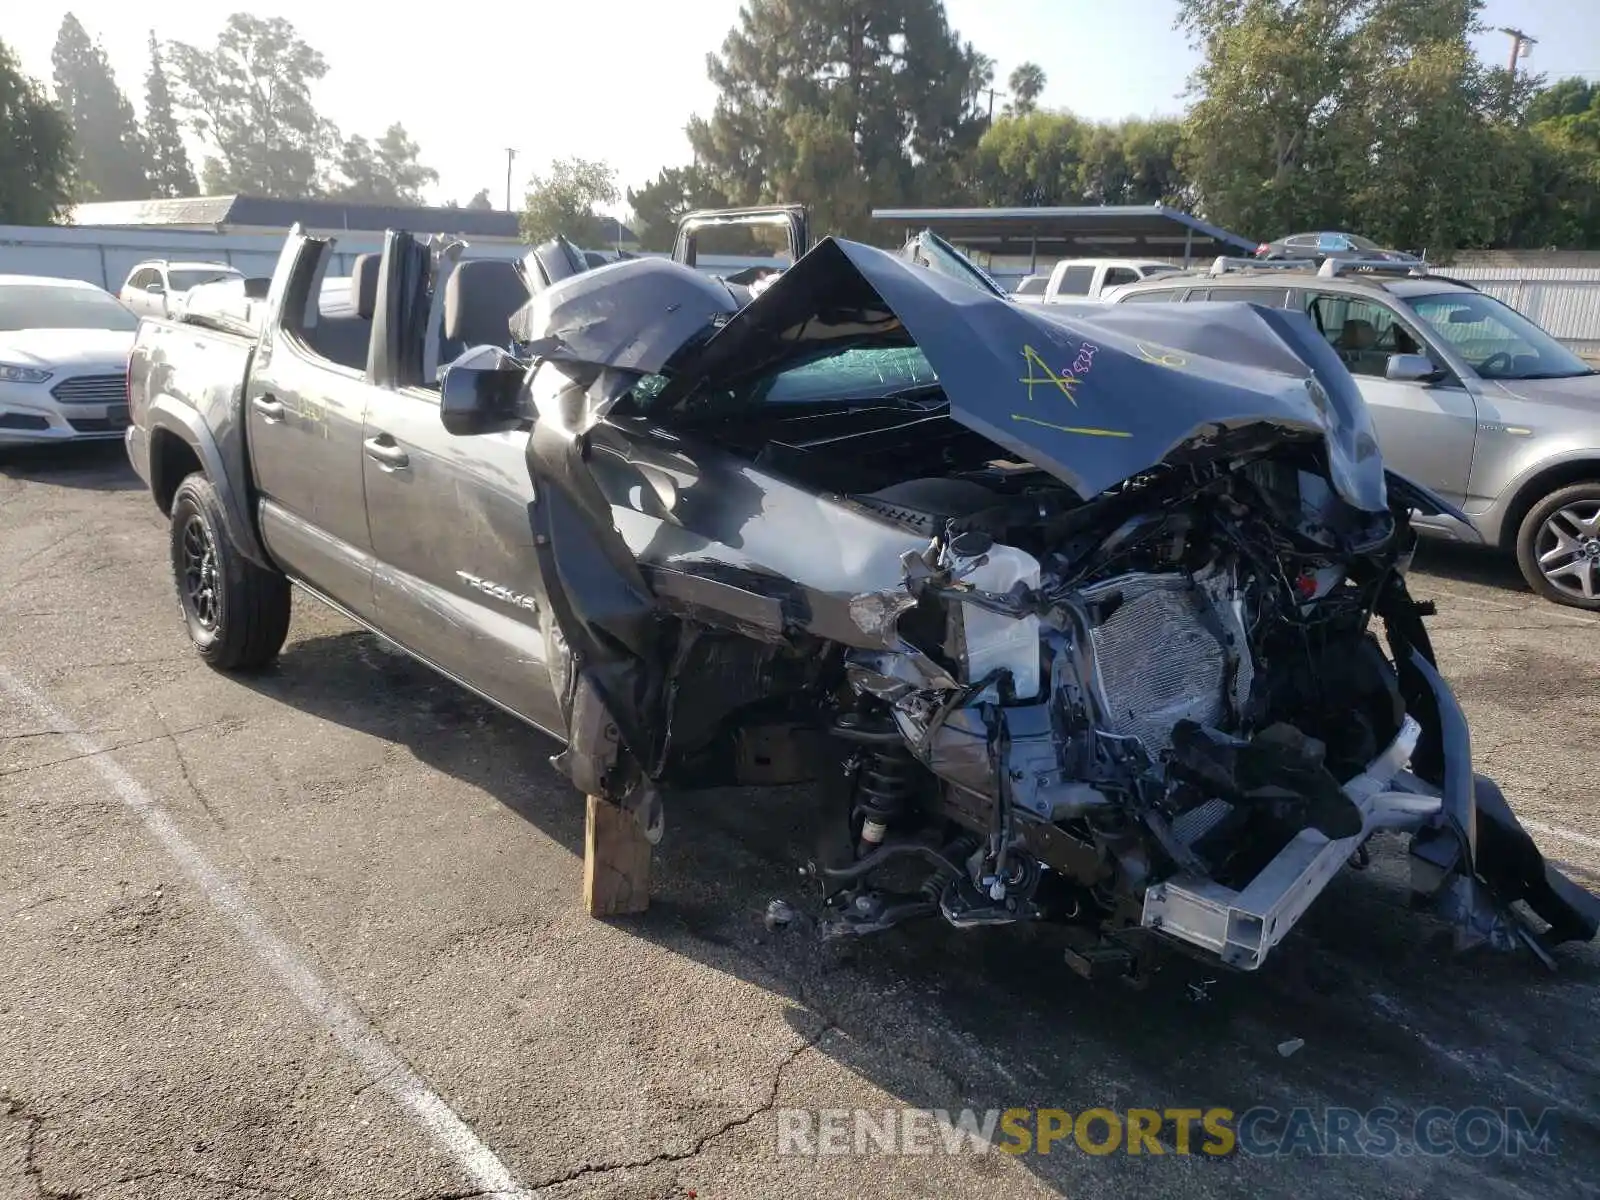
<point x="1072" y="617"/>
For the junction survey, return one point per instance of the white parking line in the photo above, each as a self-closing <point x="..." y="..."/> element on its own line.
<point x="1571" y="835"/>
<point x="1470" y="599"/>
<point x="387" y="1070"/>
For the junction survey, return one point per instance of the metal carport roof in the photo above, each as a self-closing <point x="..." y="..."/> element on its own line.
<point x="1102" y="231"/>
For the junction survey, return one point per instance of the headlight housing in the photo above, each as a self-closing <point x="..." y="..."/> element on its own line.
<point x="13" y="373"/>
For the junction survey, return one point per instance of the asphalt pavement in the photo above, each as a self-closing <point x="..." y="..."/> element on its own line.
<point x="317" y="933"/>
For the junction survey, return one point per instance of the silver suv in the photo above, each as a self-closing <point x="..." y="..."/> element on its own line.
<point x="1469" y="397"/>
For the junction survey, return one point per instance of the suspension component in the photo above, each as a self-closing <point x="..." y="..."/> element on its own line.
<point x="885" y="773"/>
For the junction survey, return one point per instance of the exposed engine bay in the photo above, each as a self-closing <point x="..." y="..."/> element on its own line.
<point x="1122" y="675"/>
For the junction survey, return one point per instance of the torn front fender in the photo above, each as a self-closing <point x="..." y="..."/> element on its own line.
<point x="601" y="604"/>
<point x="1479" y="838"/>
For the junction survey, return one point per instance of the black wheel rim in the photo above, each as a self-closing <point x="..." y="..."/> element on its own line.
<point x="200" y="594"/>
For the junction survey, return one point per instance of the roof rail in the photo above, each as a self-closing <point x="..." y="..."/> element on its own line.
<point x="1223" y="264"/>
<point x="1332" y="268"/>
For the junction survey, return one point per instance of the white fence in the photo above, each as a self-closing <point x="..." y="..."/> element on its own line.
<point x="1565" y="301"/>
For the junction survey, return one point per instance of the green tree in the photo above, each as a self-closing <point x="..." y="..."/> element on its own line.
<point x="1055" y="158"/>
<point x="480" y="200"/>
<point x="1134" y="161"/>
<point x="167" y="161"/>
<point x="1262" y="137"/>
<point x="111" y="154"/>
<point x="36" y="161"/>
<point x="1031" y="160"/>
<point x="840" y="104"/>
<point x="1565" y="98"/>
<point x="385" y="172"/>
<point x="1561" y="152"/>
<point x="659" y="205"/>
<point x="564" y="201"/>
<point x="249" y="98"/>
<point x="1371" y="115"/>
<point x="1026" y="84"/>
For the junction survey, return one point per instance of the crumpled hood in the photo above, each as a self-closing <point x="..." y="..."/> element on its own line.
<point x="1095" y="398"/>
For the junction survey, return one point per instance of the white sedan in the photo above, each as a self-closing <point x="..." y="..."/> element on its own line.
<point x="64" y="348"/>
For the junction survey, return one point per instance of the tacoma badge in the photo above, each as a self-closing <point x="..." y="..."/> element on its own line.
<point x="500" y="591"/>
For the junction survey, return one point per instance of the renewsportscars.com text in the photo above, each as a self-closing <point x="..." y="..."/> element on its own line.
<point x="1259" y="1132"/>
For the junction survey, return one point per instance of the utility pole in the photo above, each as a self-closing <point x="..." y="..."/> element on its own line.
<point x="992" y="93"/>
<point x="510" y="154"/>
<point x="1521" y="43"/>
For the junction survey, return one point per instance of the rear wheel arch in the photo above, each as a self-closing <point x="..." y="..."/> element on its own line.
<point x="172" y="460"/>
<point x="193" y="449"/>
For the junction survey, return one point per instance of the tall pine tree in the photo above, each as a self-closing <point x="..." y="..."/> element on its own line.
<point x="167" y="162"/>
<point x="841" y="104"/>
<point x="35" y="150"/>
<point x="249" y="98"/>
<point x="110" y="147"/>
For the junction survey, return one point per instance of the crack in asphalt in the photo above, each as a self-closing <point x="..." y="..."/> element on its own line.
<point x="17" y="580"/>
<point x="183" y="768"/>
<point x="67" y="758"/>
<point x="700" y="1143"/>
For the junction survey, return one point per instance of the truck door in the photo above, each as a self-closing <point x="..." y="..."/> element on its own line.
<point x="305" y="398"/>
<point x="455" y="574"/>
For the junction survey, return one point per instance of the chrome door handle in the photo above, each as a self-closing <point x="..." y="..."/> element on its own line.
<point x="268" y="406"/>
<point x="388" y="455"/>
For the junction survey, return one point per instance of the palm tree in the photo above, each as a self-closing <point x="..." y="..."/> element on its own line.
<point x="1026" y="83"/>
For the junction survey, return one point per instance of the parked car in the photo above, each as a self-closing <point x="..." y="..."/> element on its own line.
<point x="1079" y="279"/>
<point x="64" y="350"/>
<point x="1468" y="396"/>
<point x="1071" y="614"/>
<point x="1318" y="247"/>
<point x="158" y="288"/>
<point x="1030" y="289"/>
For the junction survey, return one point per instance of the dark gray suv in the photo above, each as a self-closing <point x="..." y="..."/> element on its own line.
<point x="1468" y="396"/>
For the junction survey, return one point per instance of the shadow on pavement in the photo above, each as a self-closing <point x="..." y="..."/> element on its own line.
<point x="1471" y="564"/>
<point x="89" y="466"/>
<point x="993" y="1019"/>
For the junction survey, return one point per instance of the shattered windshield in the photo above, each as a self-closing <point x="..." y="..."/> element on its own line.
<point x="856" y="371"/>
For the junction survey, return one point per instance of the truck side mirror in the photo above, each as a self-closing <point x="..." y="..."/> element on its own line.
<point x="482" y="394"/>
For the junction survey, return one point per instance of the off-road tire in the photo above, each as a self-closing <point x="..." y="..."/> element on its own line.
<point x="1583" y="496"/>
<point x="236" y="613"/>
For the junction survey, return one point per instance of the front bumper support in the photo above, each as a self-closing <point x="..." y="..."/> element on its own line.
<point x="1240" y="927"/>
<point x="1469" y="854"/>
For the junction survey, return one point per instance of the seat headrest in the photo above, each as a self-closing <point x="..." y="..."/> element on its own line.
<point x="552" y="261"/>
<point x="364" y="284"/>
<point x="479" y="301"/>
<point x="1358" y="334"/>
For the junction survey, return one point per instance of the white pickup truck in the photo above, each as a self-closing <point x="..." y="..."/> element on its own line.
<point x="1079" y="279"/>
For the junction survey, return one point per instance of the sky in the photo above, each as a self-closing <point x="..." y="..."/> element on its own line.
<point x="617" y="80"/>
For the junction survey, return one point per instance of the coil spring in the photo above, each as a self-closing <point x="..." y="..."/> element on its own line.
<point x="885" y="772"/>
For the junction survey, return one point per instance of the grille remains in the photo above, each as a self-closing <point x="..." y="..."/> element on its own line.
<point x="92" y="389"/>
